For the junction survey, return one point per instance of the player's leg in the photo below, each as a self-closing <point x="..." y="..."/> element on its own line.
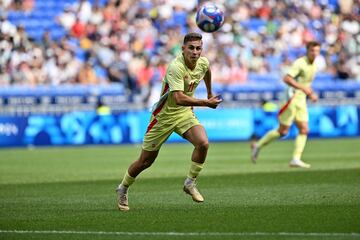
<point x="197" y="136"/>
<point x="155" y="136"/>
<point x="286" y="117"/>
<point x="269" y="137"/>
<point x="300" y="141"/>
<point x="145" y="160"/>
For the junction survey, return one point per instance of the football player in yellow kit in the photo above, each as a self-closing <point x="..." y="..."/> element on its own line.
<point x="299" y="79"/>
<point x="173" y="113"/>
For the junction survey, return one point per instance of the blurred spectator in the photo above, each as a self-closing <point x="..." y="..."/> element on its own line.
<point x="19" y="55"/>
<point x="145" y="74"/>
<point x="5" y="51"/>
<point x="28" y="5"/>
<point x="23" y="5"/>
<point x="87" y="74"/>
<point x="5" y="5"/>
<point x="83" y="10"/>
<point x="17" y="4"/>
<point x="4" y="77"/>
<point x="96" y="16"/>
<point x="23" y="75"/>
<point x="285" y="64"/>
<point x="144" y="79"/>
<point x="119" y="73"/>
<point x="345" y="6"/>
<point x="46" y="40"/>
<point x="78" y="30"/>
<point x="20" y="38"/>
<point x="354" y="66"/>
<point x="130" y="41"/>
<point x="320" y="62"/>
<point x="67" y="18"/>
<point x="230" y="72"/>
<point x="342" y="70"/>
<point x="257" y="63"/>
<point x="6" y="27"/>
<point x="104" y="53"/>
<point x="72" y="66"/>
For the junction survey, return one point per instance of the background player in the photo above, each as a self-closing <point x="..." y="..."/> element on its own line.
<point x="299" y="79"/>
<point x="173" y="113"/>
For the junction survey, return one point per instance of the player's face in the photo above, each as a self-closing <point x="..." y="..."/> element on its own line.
<point x="192" y="51"/>
<point x="313" y="52"/>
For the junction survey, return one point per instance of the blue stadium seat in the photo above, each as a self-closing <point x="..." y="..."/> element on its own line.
<point x="264" y="78"/>
<point x="35" y="34"/>
<point x="254" y="24"/>
<point x="14" y="15"/>
<point x="57" y="33"/>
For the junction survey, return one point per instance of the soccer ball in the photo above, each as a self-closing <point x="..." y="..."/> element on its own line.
<point x="209" y="17"/>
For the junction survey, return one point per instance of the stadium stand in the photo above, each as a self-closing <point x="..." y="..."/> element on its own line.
<point x="123" y="47"/>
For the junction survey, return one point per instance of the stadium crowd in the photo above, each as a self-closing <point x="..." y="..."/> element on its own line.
<point x="131" y="41"/>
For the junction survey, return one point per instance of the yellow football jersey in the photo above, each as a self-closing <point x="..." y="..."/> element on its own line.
<point x="303" y="72"/>
<point x="179" y="78"/>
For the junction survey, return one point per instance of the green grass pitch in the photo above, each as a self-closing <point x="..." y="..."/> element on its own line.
<point x="69" y="193"/>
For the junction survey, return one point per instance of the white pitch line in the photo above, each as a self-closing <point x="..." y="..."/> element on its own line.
<point x="199" y="234"/>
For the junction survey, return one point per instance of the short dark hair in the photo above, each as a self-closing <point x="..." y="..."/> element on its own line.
<point x="312" y="44"/>
<point x="192" y="37"/>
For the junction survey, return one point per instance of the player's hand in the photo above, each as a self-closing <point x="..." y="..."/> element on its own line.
<point x="308" y="91"/>
<point x="313" y="97"/>
<point x="213" y="102"/>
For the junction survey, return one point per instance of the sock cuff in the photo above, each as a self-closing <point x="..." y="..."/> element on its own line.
<point x="195" y="169"/>
<point x="197" y="165"/>
<point x="128" y="175"/>
<point x="128" y="180"/>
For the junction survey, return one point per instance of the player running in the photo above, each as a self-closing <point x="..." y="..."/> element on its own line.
<point x="299" y="79"/>
<point x="173" y="113"/>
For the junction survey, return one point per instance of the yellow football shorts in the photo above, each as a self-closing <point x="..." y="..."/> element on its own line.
<point x="293" y="109"/>
<point x="161" y="128"/>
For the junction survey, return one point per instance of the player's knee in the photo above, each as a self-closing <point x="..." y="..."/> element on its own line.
<point x="203" y="146"/>
<point x="283" y="132"/>
<point x="304" y="131"/>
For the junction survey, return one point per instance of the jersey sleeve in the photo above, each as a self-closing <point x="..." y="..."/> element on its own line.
<point x="175" y="78"/>
<point x="294" y="69"/>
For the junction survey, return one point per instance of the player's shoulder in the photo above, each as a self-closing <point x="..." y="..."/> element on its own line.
<point x="300" y="60"/>
<point x="176" y="68"/>
<point x="177" y="63"/>
<point x="203" y="61"/>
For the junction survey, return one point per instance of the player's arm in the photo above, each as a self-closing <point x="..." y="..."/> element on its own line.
<point x="294" y="71"/>
<point x="289" y="79"/>
<point x="185" y="100"/>
<point x="207" y="80"/>
<point x="293" y="83"/>
<point x="307" y="90"/>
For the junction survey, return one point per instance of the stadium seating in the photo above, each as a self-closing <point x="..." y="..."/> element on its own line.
<point x="43" y="15"/>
